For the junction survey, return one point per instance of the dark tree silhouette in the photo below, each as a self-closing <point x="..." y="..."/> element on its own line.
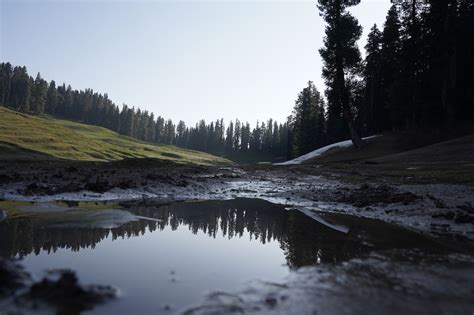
<point x="341" y="56"/>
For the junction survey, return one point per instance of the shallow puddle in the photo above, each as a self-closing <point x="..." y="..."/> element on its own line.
<point x="164" y="258"/>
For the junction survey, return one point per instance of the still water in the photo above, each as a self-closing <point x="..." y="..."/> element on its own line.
<point x="172" y="255"/>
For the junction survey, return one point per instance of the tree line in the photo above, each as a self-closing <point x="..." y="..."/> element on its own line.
<point x="21" y="92"/>
<point x="417" y="75"/>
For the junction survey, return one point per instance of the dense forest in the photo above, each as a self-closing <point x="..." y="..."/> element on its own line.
<point x="417" y="75"/>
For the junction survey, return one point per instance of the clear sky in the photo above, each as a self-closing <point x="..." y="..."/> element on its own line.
<point x="179" y="59"/>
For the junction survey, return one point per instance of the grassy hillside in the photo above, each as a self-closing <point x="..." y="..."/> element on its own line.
<point x="24" y="136"/>
<point x="449" y="161"/>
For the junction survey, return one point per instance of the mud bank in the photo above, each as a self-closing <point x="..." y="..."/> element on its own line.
<point x="437" y="209"/>
<point x="383" y="283"/>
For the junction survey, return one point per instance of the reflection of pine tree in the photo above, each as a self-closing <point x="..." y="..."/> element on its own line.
<point x="303" y="240"/>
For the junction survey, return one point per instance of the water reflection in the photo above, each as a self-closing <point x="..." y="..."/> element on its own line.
<point x="303" y="240"/>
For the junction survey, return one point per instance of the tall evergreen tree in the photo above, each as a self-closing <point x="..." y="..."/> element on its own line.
<point x="237" y="135"/>
<point x="40" y="91"/>
<point x="390" y="65"/>
<point x="306" y="116"/>
<point x="341" y="57"/>
<point x="229" y="139"/>
<point x="374" y="114"/>
<point x="20" y="89"/>
<point x="406" y="98"/>
<point x="52" y="98"/>
<point x="159" y="129"/>
<point x="180" y="133"/>
<point x="464" y="69"/>
<point x="245" y="137"/>
<point x="6" y="74"/>
<point x="256" y="138"/>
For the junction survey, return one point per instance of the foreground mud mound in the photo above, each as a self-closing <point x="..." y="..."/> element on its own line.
<point x="368" y="195"/>
<point x="60" y="292"/>
<point x="12" y="277"/>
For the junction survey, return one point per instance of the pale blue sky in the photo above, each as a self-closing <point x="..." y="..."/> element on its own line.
<point x="180" y="59"/>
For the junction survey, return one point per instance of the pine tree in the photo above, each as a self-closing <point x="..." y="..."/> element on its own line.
<point x="374" y="115"/>
<point x="67" y="107"/>
<point x="245" y="137"/>
<point x="20" y="89"/>
<point x="180" y="133"/>
<point x="237" y="135"/>
<point x="390" y="66"/>
<point x="169" y="132"/>
<point x="40" y="91"/>
<point x="276" y="139"/>
<point x="267" y="142"/>
<point x="159" y="129"/>
<point x="341" y="57"/>
<point x="439" y="41"/>
<point x="52" y="98"/>
<point x="464" y="70"/>
<point x="6" y="74"/>
<point x="405" y="94"/>
<point x="229" y="138"/>
<point x="307" y="113"/>
<point x="256" y="138"/>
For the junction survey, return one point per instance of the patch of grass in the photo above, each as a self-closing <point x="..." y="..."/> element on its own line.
<point x="97" y="205"/>
<point x="171" y="155"/>
<point x="11" y="208"/>
<point x="25" y="136"/>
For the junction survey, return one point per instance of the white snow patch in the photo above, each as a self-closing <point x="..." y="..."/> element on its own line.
<point x="320" y="151"/>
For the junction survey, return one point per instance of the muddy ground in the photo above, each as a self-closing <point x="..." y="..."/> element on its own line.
<point x="440" y="209"/>
<point x="436" y="208"/>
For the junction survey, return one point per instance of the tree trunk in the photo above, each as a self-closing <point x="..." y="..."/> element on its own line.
<point x="341" y="86"/>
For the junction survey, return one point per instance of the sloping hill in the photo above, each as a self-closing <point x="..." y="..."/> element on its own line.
<point x="450" y="161"/>
<point x="321" y="152"/>
<point x="24" y="136"/>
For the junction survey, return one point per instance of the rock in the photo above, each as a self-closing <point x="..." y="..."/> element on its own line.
<point x="126" y="184"/>
<point x="271" y="301"/>
<point x="438" y="203"/>
<point x="58" y="175"/>
<point x="447" y="215"/>
<point x="467" y="208"/>
<point x="71" y="169"/>
<point x="12" y="277"/>
<point x="368" y="162"/>
<point x="5" y="179"/>
<point x="32" y="186"/>
<point x="463" y="218"/>
<point x="67" y="295"/>
<point x="367" y="195"/>
<point x="99" y="186"/>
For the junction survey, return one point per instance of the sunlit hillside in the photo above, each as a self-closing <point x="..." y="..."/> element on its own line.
<point x="24" y="136"/>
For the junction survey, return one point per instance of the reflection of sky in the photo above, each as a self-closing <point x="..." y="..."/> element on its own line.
<point x="180" y="59"/>
<point x="141" y="266"/>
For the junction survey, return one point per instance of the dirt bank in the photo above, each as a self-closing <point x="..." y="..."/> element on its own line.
<point x="438" y="209"/>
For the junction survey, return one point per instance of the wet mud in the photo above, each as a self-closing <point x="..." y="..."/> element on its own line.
<point x="327" y="260"/>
